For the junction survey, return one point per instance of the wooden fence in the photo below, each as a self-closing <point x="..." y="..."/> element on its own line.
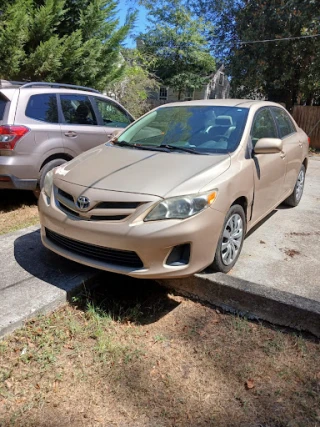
<point x="308" y="118"/>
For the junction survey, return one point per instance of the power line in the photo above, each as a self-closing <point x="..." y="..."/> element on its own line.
<point x="259" y="41"/>
<point x="278" y="40"/>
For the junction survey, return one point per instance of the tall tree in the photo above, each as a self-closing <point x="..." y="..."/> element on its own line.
<point x="283" y="71"/>
<point x="177" y="42"/>
<point x="73" y="41"/>
<point x="133" y="88"/>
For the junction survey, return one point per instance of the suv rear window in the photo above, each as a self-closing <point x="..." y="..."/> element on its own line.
<point x="43" y="107"/>
<point x="3" y="103"/>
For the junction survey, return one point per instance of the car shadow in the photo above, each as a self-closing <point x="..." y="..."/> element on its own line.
<point x="45" y="265"/>
<point x="15" y="199"/>
<point x="123" y="298"/>
<point x="127" y="300"/>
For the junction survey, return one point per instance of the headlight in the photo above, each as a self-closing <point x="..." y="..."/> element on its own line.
<point x="181" y="207"/>
<point x="48" y="183"/>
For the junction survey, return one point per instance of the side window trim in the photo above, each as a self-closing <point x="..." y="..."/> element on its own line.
<point x="96" y="110"/>
<point x="60" y="113"/>
<point x="273" y="109"/>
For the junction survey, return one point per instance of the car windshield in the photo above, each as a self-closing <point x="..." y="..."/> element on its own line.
<point x="188" y="129"/>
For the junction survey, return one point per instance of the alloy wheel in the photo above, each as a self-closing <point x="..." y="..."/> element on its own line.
<point x="300" y="185"/>
<point x="232" y="239"/>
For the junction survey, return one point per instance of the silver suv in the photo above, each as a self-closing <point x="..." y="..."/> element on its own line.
<point x="43" y="125"/>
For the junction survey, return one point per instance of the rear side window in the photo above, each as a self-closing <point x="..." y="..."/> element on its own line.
<point x="43" y="107"/>
<point x="77" y="109"/>
<point x="286" y="127"/>
<point x="3" y="103"/>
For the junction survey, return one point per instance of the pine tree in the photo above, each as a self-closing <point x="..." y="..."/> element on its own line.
<point x="70" y="41"/>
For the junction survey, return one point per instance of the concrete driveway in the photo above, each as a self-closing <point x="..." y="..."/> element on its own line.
<point x="284" y="251"/>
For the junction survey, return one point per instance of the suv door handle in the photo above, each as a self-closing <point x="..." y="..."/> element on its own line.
<point x="300" y="144"/>
<point x="282" y="155"/>
<point x="70" y="134"/>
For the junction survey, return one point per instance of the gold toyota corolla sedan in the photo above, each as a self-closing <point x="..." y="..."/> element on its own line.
<point x="177" y="190"/>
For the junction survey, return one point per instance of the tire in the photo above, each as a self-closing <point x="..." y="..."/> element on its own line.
<point x="228" y="250"/>
<point x="43" y="172"/>
<point x="295" y="197"/>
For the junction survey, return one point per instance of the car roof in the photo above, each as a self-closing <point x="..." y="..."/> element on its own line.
<point x="243" y="103"/>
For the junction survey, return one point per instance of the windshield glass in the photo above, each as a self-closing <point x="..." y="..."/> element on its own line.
<point x="202" y="129"/>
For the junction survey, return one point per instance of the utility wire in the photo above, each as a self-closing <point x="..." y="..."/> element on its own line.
<point x="278" y="40"/>
<point x="260" y="41"/>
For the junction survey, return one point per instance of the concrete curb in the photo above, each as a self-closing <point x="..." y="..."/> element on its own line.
<point x="250" y="299"/>
<point x="34" y="280"/>
<point x="60" y="299"/>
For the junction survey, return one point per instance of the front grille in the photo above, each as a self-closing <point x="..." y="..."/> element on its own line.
<point x="109" y="211"/>
<point x="66" y="210"/>
<point x="108" y="255"/>
<point x="64" y="194"/>
<point x="117" y="205"/>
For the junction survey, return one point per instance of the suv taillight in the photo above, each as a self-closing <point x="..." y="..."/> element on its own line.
<point x="10" y="135"/>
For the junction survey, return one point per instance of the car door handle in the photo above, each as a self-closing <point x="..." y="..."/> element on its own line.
<point x="282" y="155"/>
<point x="70" y="134"/>
<point x="300" y="144"/>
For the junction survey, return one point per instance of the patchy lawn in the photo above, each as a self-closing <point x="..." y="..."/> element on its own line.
<point x="132" y="355"/>
<point x="18" y="209"/>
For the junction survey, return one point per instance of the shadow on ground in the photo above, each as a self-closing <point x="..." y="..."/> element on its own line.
<point x="45" y="265"/>
<point x="126" y="299"/>
<point x="10" y="200"/>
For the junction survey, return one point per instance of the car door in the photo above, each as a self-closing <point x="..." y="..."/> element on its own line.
<point x="80" y="127"/>
<point x="111" y="115"/>
<point x="292" y="146"/>
<point x="268" y="169"/>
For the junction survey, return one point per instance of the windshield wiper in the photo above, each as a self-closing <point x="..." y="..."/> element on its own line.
<point x="175" y="147"/>
<point x="141" y="147"/>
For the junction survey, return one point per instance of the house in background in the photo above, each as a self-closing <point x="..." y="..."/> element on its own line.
<point x="218" y="87"/>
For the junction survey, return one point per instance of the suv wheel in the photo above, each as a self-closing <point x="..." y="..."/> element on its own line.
<point x="231" y="240"/>
<point x="43" y="172"/>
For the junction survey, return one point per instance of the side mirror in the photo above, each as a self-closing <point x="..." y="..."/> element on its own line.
<point x="116" y="133"/>
<point x="268" y="146"/>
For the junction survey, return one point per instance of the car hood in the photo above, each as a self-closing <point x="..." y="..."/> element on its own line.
<point x="144" y="172"/>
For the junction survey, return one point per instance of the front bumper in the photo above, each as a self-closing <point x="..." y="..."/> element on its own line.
<point x="152" y="241"/>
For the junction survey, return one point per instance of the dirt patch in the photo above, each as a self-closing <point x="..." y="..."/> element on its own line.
<point x="294" y="233"/>
<point x="291" y="252"/>
<point x="143" y="357"/>
<point x="18" y="209"/>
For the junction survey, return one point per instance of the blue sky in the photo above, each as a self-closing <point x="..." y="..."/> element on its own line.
<point x="140" y="23"/>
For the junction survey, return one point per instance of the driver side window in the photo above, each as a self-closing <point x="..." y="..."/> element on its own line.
<point x="263" y="126"/>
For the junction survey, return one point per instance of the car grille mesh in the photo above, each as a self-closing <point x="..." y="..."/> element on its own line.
<point x="66" y="202"/>
<point x="94" y="252"/>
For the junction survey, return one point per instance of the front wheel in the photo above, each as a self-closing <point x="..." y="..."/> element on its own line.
<point x="231" y="240"/>
<point x="294" y="199"/>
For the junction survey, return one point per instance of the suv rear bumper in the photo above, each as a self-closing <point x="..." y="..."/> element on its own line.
<point x="10" y="182"/>
<point x="18" y="172"/>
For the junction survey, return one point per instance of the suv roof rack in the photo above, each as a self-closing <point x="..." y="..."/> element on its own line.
<point x="5" y="84"/>
<point x="58" y="85"/>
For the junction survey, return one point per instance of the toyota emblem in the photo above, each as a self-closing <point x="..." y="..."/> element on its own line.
<point x="83" y="203"/>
